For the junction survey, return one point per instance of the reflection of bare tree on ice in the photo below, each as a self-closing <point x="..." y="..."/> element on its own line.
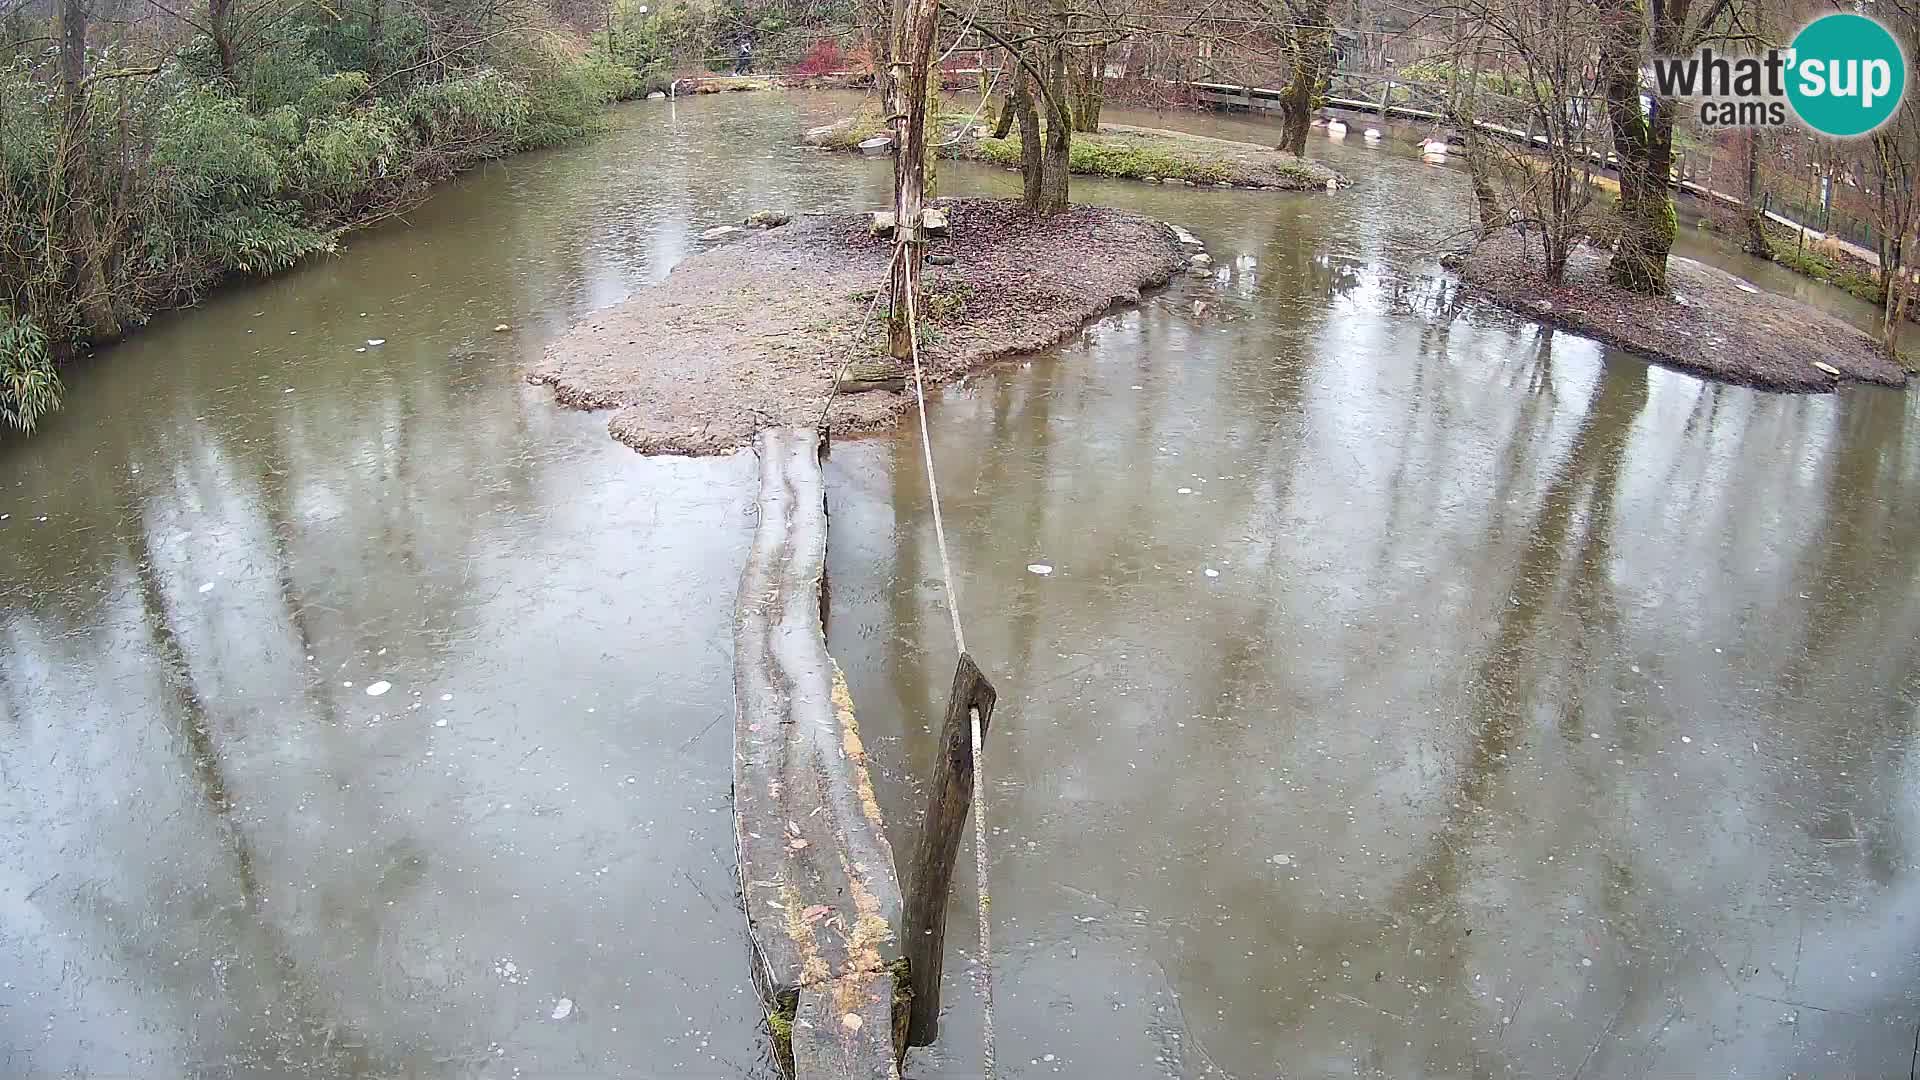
<point x="309" y="1038"/>
<point x="1502" y="686"/>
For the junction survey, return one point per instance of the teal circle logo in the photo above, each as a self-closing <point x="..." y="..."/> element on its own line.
<point x="1848" y="75"/>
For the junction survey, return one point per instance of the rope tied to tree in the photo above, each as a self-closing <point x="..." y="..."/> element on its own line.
<point x="984" y="970"/>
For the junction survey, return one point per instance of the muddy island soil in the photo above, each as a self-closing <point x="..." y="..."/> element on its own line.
<point x="1711" y="324"/>
<point x="752" y="334"/>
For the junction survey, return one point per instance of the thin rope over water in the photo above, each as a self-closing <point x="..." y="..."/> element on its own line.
<point x="984" y="973"/>
<point x="985" y="970"/>
<point x="977" y="110"/>
<point x="833" y="391"/>
<point x="933" y="489"/>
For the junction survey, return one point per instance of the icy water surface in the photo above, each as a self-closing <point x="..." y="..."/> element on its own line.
<point x="1544" y="714"/>
<point x="1414" y="691"/>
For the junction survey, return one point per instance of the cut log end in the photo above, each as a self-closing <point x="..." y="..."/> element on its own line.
<point x="865" y="375"/>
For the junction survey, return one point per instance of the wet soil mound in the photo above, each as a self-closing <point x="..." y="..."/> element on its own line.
<point x="1713" y="324"/>
<point x="751" y="335"/>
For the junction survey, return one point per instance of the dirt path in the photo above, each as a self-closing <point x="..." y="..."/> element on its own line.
<point x="1713" y="324"/>
<point x="751" y="334"/>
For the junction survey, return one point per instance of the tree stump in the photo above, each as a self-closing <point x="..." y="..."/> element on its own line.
<point x="864" y="375"/>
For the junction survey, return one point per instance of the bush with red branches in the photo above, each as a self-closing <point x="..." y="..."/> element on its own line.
<point x="823" y="57"/>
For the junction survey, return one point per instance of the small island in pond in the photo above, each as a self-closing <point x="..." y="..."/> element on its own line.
<point x="754" y="333"/>
<point x="1710" y="323"/>
<point x="1116" y="150"/>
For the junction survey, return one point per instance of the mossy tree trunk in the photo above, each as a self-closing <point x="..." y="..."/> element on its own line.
<point x="1059" y="137"/>
<point x="74" y="232"/>
<point x="1089" y="87"/>
<point x="1032" y="168"/>
<point x="1310" y="53"/>
<point x="1486" y="200"/>
<point x="930" y="148"/>
<point x="910" y="112"/>
<point x="73" y="52"/>
<point x="880" y="24"/>
<point x="1008" y="111"/>
<point x="1643" y="144"/>
<point x="377" y="38"/>
<point x="1757" y="242"/>
<point x="1895" y="148"/>
<point x="1005" y="113"/>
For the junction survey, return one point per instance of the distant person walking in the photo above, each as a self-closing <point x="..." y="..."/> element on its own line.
<point x="744" y="63"/>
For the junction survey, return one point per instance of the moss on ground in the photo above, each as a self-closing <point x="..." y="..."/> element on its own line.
<point x="1126" y="153"/>
<point x="732" y="84"/>
<point x="780" y="1026"/>
<point x="1141" y="155"/>
<point x="1840" y="273"/>
<point x="1096" y="156"/>
<point x="902" y="1005"/>
<point x="856" y="129"/>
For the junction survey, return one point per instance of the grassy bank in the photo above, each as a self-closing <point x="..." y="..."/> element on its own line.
<point x="1117" y="150"/>
<point x="1830" y="264"/>
<point x="731" y="84"/>
<point x="133" y="189"/>
<point x="1132" y="153"/>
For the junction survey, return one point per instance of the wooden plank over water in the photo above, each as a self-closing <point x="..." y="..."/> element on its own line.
<point x="817" y="876"/>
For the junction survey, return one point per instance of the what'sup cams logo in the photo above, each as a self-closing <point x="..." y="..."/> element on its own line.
<point x="1844" y="75"/>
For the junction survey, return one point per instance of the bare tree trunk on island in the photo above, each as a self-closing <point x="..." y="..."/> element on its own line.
<point x="1892" y="286"/>
<point x="912" y="53"/>
<point x="1895" y="207"/>
<point x="1891" y="316"/>
<point x="1089" y="88"/>
<point x="1008" y="111"/>
<point x="1032" y="166"/>
<point x="1312" y="39"/>
<point x="1480" y="168"/>
<point x="1757" y="242"/>
<point x="1643" y="144"/>
<point x="1479" y="161"/>
<point x="1059" y="146"/>
<point x="1620" y="50"/>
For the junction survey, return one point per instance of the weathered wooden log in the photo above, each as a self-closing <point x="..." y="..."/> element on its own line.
<point x="949" y="798"/>
<point x="864" y="375"/>
<point x="816" y="872"/>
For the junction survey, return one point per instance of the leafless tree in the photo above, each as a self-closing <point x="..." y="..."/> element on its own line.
<point x="1309" y="53"/>
<point x="1642" y="143"/>
<point x="1895" y="155"/>
<point x="1531" y="62"/>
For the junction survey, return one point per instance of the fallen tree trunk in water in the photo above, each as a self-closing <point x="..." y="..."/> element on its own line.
<point x="817" y="878"/>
